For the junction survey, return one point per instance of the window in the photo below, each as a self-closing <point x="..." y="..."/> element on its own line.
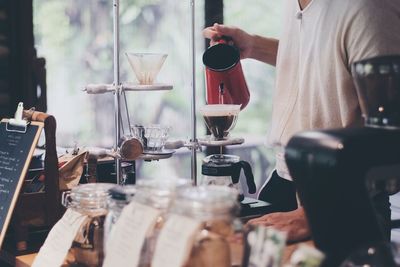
<point x="263" y="18"/>
<point x="76" y="37"/>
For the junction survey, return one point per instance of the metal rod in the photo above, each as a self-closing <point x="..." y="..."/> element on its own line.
<point x="193" y="106"/>
<point x="117" y="95"/>
<point x="127" y="112"/>
<point x="121" y="124"/>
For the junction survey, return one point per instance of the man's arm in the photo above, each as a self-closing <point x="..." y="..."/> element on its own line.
<point x="264" y="49"/>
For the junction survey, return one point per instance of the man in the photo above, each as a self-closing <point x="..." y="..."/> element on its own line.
<point x="314" y="88"/>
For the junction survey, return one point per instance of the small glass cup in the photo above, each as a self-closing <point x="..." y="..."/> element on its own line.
<point x="153" y="137"/>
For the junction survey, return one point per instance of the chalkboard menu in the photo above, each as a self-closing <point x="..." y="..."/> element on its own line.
<point x="16" y="149"/>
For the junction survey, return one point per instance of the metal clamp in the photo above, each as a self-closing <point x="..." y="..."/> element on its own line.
<point x="194" y="145"/>
<point x="20" y="125"/>
<point x="66" y="199"/>
<point x="180" y="143"/>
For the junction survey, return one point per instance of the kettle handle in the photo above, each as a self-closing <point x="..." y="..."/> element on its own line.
<point x="248" y="173"/>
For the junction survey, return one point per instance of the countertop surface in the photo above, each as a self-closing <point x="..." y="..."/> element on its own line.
<point x="27" y="260"/>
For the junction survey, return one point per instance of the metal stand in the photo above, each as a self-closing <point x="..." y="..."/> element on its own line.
<point x="119" y="90"/>
<point x="117" y="95"/>
<point x="193" y="107"/>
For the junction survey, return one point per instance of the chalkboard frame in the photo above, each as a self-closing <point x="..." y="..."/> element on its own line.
<point x="21" y="178"/>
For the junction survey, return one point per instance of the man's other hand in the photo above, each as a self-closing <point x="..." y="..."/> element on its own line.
<point x="294" y="223"/>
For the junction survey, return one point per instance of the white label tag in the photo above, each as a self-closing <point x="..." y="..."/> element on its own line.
<point x="128" y="235"/>
<point x="266" y="247"/>
<point x="175" y="241"/>
<point x="59" y="240"/>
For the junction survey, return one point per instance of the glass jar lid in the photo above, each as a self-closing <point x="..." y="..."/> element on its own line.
<point x="206" y="202"/>
<point x="158" y="192"/>
<point x="221" y="159"/>
<point x="122" y="193"/>
<point x="89" y="198"/>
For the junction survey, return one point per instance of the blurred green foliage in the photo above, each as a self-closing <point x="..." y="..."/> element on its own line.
<point x="76" y="38"/>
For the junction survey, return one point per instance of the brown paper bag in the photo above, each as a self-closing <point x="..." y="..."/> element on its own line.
<point x="72" y="169"/>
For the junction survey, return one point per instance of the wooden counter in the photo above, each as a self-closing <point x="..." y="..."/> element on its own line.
<point x="27" y="260"/>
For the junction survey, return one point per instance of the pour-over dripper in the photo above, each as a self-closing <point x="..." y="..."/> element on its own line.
<point x="146" y="66"/>
<point x="220" y="118"/>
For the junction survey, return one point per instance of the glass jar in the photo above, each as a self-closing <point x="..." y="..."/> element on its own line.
<point x="219" y="241"/>
<point x="90" y="200"/>
<point x="159" y="194"/>
<point x="120" y="196"/>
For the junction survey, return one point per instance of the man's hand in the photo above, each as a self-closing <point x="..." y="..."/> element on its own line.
<point x="240" y="38"/>
<point x="251" y="46"/>
<point x="294" y="223"/>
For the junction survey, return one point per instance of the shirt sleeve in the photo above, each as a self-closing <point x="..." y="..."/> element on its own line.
<point x="373" y="30"/>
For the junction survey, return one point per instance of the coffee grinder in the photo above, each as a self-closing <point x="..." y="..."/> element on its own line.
<point x="339" y="172"/>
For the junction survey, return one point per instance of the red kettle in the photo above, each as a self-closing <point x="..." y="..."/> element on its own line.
<point x="225" y="81"/>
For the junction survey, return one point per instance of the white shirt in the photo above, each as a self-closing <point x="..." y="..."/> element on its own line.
<point x="314" y="87"/>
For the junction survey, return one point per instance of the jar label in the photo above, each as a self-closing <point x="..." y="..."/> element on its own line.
<point x="266" y="246"/>
<point x="128" y="235"/>
<point x="175" y="241"/>
<point x="59" y="240"/>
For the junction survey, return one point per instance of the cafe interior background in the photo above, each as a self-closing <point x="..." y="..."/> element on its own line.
<point x="75" y="38"/>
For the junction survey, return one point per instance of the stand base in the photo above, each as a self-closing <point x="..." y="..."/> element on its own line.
<point x="251" y="208"/>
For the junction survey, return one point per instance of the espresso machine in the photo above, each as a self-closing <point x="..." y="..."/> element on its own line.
<point x="339" y="172"/>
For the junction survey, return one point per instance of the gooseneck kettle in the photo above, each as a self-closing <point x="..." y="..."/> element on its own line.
<point x="224" y="75"/>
